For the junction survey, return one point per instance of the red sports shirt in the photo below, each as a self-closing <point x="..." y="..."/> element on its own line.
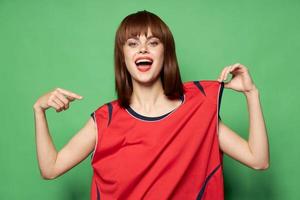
<point x="173" y="156"/>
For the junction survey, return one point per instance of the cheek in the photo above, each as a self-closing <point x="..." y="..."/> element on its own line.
<point x="160" y="55"/>
<point x="128" y="57"/>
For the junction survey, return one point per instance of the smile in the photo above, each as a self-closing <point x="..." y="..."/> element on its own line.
<point x="144" y="63"/>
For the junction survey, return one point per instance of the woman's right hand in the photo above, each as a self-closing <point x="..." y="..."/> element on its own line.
<point x="59" y="99"/>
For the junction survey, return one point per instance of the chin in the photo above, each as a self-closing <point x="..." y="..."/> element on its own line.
<point x="146" y="80"/>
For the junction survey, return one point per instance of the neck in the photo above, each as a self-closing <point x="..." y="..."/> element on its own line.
<point x="147" y="96"/>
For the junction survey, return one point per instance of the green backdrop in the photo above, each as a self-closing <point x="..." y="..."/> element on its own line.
<point x="69" y="44"/>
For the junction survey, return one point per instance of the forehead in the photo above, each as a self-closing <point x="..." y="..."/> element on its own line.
<point x="147" y="36"/>
<point x="136" y="26"/>
<point x="142" y="31"/>
<point x="139" y="33"/>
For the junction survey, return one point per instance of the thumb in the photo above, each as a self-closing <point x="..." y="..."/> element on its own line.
<point x="227" y="84"/>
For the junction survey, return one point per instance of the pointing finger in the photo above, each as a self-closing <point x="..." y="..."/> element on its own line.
<point x="70" y="95"/>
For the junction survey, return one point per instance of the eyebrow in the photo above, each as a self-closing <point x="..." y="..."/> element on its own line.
<point x="148" y="38"/>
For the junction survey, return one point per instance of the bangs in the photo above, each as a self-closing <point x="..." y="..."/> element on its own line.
<point x="138" y="24"/>
<point x="135" y="25"/>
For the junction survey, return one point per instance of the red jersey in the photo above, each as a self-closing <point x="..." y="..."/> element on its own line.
<point x="173" y="156"/>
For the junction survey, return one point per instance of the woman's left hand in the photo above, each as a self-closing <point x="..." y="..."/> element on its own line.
<point x="241" y="80"/>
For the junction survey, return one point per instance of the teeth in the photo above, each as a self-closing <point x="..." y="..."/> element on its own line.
<point x="143" y="60"/>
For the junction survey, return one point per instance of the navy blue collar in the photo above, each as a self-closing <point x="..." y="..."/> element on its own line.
<point x="143" y="117"/>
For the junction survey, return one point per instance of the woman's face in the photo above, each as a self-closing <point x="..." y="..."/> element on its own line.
<point x="144" y="57"/>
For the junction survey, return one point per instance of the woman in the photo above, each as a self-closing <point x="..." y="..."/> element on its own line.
<point x="161" y="139"/>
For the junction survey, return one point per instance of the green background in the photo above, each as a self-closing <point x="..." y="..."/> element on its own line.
<point x="69" y="44"/>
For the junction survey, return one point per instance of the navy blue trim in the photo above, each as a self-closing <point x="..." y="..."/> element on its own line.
<point x="181" y="97"/>
<point x="92" y="115"/>
<point x="220" y="98"/>
<point x="146" y="118"/>
<point x="198" y="84"/>
<point x="200" y="195"/>
<point x="110" y="108"/>
<point x="98" y="192"/>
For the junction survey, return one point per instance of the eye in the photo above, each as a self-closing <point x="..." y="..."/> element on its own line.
<point x="154" y="43"/>
<point x="132" y="44"/>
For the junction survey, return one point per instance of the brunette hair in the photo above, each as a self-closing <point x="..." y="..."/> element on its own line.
<point x="134" y="25"/>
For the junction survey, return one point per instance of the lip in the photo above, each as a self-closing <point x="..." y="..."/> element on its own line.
<point x="143" y="57"/>
<point x="144" y="69"/>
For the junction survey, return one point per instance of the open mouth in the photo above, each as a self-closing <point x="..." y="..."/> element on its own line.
<point x="144" y="64"/>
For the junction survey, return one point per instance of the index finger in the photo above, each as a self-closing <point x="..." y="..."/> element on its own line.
<point x="69" y="93"/>
<point x="236" y="67"/>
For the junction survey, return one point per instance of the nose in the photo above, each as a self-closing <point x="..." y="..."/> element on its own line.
<point x="143" y="49"/>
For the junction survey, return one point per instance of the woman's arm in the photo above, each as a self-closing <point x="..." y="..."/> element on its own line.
<point x="254" y="152"/>
<point x="51" y="162"/>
